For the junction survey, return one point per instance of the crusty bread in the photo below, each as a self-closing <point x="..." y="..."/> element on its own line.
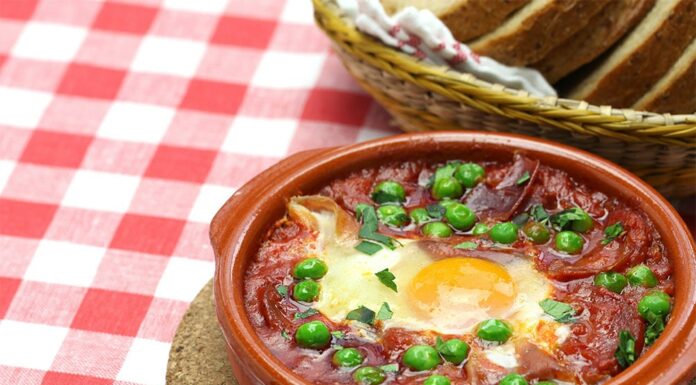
<point x="533" y="31"/>
<point x="467" y="19"/>
<point x="676" y="91"/>
<point x="641" y="58"/>
<point x="603" y="30"/>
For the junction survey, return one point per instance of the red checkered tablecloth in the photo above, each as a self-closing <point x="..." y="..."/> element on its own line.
<point x="124" y="125"/>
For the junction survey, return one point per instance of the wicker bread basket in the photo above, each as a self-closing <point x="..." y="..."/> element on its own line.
<point x="660" y="148"/>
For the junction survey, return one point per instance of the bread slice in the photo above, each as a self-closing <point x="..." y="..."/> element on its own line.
<point x="641" y="58"/>
<point x="467" y="19"/>
<point x="676" y="91"/>
<point x="605" y="28"/>
<point x="533" y="31"/>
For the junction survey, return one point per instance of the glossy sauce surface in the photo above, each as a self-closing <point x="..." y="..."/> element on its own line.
<point x="585" y="356"/>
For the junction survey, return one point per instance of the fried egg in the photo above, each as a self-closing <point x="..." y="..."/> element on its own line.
<point x="444" y="295"/>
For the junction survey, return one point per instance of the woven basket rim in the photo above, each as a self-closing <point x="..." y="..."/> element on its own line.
<point x="622" y="123"/>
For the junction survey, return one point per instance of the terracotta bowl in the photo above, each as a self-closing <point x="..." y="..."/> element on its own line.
<point x="243" y="221"/>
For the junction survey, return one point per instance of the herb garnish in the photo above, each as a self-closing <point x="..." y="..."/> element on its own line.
<point x="539" y="213"/>
<point x="390" y="368"/>
<point x="612" y="232"/>
<point x="305" y="314"/>
<point x="467" y="245"/>
<point x="385" y="312"/>
<point x="656" y="325"/>
<point x="367" y="247"/>
<point x="285" y="334"/>
<point x="368" y="231"/>
<point x="387" y="278"/>
<point x="626" y="350"/>
<point x="361" y="314"/>
<point x="564" y="219"/>
<point x="282" y="290"/>
<point x="338" y="334"/>
<point x="435" y="211"/>
<point x="523" y="179"/>
<point x="561" y="312"/>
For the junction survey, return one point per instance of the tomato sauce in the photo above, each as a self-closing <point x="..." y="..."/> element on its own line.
<point x="585" y="356"/>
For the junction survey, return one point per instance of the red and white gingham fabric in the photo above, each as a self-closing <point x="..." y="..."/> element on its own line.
<point x="123" y="127"/>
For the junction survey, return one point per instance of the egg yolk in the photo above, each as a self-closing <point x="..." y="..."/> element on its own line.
<point x="461" y="286"/>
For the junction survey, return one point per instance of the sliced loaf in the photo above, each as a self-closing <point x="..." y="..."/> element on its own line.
<point x="467" y="19"/>
<point x="537" y="28"/>
<point x="603" y="30"/>
<point x="676" y="91"/>
<point x="641" y="58"/>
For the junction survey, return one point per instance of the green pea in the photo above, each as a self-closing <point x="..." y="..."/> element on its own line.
<point x="582" y="224"/>
<point x="436" y="379"/>
<point x="392" y="215"/>
<point x="513" y="379"/>
<point x="348" y="358"/>
<point x="656" y="302"/>
<point x="306" y="291"/>
<point x="469" y="174"/>
<point x="454" y="351"/>
<point x="505" y="232"/>
<point x="536" y="232"/>
<point x="494" y="330"/>
<point x="313" y="335"/>
<point x="569" y="242"/>
<point x="369" y="375"/>
<point x="421" y="357"/>
<point x="447" y="187"/>
<point x="437" y="230"/>
<point x="419" y="216"/>
<point x="313" y="268"/>
<point x="611" y="280"/>
<point x="460" y="216"/>
<point x="480" y="228"/>
<point x="389" y="191"/>
<point x="641" y="275"/>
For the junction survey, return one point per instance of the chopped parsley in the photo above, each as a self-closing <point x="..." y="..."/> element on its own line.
<point x="367" y="247"/>
<point x="305" y="314"/>
<point x="539" y="213"/>
<point x="564" y="219"/>
<point x="656" y="325"/>
<point x="368" y="230"/>
<point x="391" y="368"/>
<point x="387" y="278"/>
<point x="561" y="312"/>
<point x="285" y="334"/>
<point x="282" y="290"/>
<point x="523" y="179"/>
<point x="338" y="334"/>
<point x="612" y="232"/>
<point x="626" y="350"/>
<point x="435" y="211"/>
<point x="361" y="314"/>
<point x="468" y="245"/>
<point x="385" y="312"/>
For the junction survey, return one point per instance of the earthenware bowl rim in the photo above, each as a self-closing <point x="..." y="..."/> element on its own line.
<point x="242" y="338"/>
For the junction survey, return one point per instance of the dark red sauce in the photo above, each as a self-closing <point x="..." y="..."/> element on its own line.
<point x="586" y="356"/>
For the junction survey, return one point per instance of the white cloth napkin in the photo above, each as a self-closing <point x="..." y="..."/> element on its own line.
<point x="421" y="34"/>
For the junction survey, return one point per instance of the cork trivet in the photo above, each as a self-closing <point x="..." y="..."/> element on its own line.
<point x="198" y="354"/>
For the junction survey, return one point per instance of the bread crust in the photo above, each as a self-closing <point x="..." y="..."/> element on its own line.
<point x="675" y="93"/>
<point x="537" y="34"/>
<point x="634" y="74"/>
<point x="475" y="18"/>
<point x="603" y="30"/>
